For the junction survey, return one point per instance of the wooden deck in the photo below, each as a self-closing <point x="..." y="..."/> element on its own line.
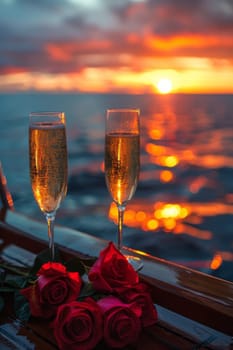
<point x="195" y="310"/>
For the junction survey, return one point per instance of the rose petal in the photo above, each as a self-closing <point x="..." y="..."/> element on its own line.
<point x="112" y="271"/>
<point x="121" y="321"/>
<point x="51" y="268"/>
<point x="54" y="286"/>
<point x="78" y="325"/>
<point x="140" y="294"/>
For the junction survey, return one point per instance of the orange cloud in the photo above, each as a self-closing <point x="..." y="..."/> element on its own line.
<point x="127" y="46"/>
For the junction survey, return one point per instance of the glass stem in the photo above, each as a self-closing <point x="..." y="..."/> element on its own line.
<point x="121" y="211"/>
<point x="50" y="217"/>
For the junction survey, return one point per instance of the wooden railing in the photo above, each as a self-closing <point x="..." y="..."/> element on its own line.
<point x="5" y="195"/>
<point x="194" y="295"/>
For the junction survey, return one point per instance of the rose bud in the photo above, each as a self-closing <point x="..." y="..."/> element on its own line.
<point x="111" y="271"/>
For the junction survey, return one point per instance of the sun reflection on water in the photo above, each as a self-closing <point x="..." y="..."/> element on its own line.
<point x="172" y="148"/>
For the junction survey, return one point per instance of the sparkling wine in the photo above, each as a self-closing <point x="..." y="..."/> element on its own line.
<point x="122" y="165"/>
<point x="48" y="164"/>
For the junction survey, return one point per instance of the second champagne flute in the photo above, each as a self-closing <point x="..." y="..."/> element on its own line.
<point x="48" y="164"/>
<point x="122" y="162"/>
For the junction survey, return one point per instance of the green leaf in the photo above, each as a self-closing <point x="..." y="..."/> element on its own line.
<point x="75" y="265"/>
<point x="2" y="275"/>
<point x="5" y="289"/>
<point x="15" y="281"/>
<point x="12" y="269"/>
<point x="89" y="291"/>
<point x="2" y="303"/>
<point x="42" y="258"/>
<point x="22" y="308"/>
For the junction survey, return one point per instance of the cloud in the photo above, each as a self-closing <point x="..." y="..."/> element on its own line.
<point x="62" y="36"/>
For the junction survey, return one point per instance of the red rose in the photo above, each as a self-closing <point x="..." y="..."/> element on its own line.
<point x="78" y="325"/>
<point x="122" y="323"/>
<point x="112" y="271"/>
<point x="53" y="287"/>
<point x="140" y="295"/>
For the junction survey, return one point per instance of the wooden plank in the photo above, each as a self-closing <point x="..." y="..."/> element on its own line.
<point x="195" y="295"/>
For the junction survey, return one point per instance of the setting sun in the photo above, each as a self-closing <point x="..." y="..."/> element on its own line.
<point x="164" y="86"/>
<point x="171" y="61"/>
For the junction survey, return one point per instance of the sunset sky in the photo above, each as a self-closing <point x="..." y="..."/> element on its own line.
<point x="116" y="45"/>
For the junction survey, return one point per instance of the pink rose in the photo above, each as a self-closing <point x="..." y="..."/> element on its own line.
<point x="78" y="325"/>
<point x="112" y="271"/>
<point x="122" y="324"/>
<point x="139" y="294"/>
<point x="53" y="287"/>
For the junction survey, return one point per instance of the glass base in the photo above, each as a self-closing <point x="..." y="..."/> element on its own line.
<point x="135" y="262"/>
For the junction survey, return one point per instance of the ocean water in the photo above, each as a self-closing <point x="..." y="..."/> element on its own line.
<point x="182" y="209"/>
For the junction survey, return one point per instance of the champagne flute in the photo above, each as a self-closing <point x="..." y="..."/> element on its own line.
<point x="48" y="165"/>
<point x="122" y="163"/>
